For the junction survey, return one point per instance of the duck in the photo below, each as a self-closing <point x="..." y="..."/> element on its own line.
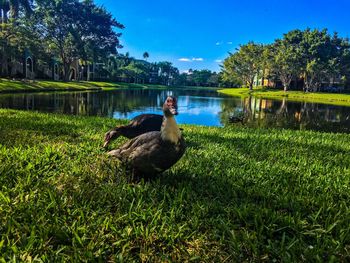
<point x="236" y="119"/>
<point x="154" y="152"/>
<point x="138" y="125"/>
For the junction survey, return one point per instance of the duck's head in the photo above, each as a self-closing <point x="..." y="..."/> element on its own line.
<point x="170" y="106"/>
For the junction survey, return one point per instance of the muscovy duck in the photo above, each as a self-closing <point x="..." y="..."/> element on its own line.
<point x="154" y="152"/>
<point x="138" y="125"/>
<point x="236" y="119"/>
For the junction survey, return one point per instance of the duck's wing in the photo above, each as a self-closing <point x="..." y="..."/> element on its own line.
<point x="135" y="146"/>
<point x="147" y="122"/>
<point x="157" y="156"/>
<point x="149" y="154"/>
<point x="145" y="117"/>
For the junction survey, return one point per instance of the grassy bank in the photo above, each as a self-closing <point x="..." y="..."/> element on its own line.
<point x="9" y="86"/>
<point x="315" y="97"/>
<point x="238" y="194"/>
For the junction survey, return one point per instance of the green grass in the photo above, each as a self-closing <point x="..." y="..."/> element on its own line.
<point x="238" y="194"/>
<point x="315" y="97"/>
<point x="8" y="86"/>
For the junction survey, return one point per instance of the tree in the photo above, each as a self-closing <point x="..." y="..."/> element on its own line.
<point x="286" y="58"/>
<point x="97" y="32"/>
<point x="13" y="7"/>
<point x="315" y="50"/>
<point x="167" y="73"/>
<point x="202" y="78"/>
<point x="213" y="80"/>
<point x="229" y="80"/>
<point x="145" y="55"/>
<point x="339" y="62"/>
<point x="9" y="33"/>
<point x="73" y="30"/>
<point x="245" y="64"/>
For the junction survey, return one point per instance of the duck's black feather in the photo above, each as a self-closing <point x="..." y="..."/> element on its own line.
<point x="148" y="154"/>
<point x="141" y="124"/>
<point x="138" y="125"/>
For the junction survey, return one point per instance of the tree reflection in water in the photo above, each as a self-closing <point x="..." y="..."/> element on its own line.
<point x="267" y="113"/>
<point x="204" y="107"/>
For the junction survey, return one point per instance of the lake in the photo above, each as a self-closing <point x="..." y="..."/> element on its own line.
<point x="201" y="107"/>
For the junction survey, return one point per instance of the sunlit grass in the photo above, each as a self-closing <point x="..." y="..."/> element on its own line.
<point x="7" y="85"/>
<point x="238" y="194"/>
<point x="315" y="97"/>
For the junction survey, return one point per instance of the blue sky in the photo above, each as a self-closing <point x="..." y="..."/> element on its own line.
<point x="199" y="34"/>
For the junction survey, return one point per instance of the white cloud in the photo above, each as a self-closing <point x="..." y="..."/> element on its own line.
<point x="218" y="43"/>
<point x="190" y="59"/>
<point x="184" y="59"/>
<point x="229" y="43"/>
<point x="218" y="60"/>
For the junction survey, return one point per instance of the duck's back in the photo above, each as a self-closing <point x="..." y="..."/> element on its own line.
<point x="143" y="123"/>
<point x="149" y="154"/>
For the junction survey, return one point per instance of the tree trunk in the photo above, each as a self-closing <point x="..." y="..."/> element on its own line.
<point x="4" y="62"/>
<point x="87" y="71"/>
<point x="263" y="78"/>
<point x="66" y="71"/>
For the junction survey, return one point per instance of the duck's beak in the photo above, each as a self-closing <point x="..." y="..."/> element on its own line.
<point x="173" y="110"/>
<point x="109" y="136"/>
<point x="106" y="142"/>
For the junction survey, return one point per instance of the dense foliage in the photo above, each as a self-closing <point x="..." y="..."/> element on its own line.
<point x="311" y="57"/>
<point x="69" y="30"/>
<point x="245" y="64"/>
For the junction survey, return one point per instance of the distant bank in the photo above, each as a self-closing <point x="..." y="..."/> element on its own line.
<point x="316" y="97"/>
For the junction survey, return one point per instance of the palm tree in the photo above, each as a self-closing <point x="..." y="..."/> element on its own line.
<point x="145" y="55"/>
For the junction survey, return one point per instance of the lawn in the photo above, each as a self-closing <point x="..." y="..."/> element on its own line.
<point x="10" y="86"/>
<point x="314" y="97"/>
<point x="238" y="194"/>
<point x="7" y="85"/>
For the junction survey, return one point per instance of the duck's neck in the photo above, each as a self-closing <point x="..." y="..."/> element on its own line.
<point x="170" y="131"/>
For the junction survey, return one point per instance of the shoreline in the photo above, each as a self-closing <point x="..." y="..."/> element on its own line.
<point x="339" y="99"/>
<point x="17" y="86"/>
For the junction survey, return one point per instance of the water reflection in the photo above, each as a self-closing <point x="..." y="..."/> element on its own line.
<point x="203" y="107"/>
<point x="257" y="112"/>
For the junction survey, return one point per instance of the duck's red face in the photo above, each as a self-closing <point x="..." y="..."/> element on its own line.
<point x="171" y="105"/>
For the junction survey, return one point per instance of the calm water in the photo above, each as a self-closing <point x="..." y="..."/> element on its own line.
<point x="203" y="107"/>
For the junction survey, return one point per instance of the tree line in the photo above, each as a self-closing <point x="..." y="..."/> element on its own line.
<point x="71" y="31"/>
<point x="307" y="60"/>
